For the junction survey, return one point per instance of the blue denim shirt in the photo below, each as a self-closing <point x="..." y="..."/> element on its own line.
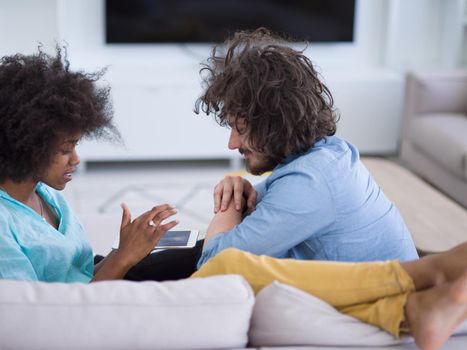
<point x="322" y="205"/>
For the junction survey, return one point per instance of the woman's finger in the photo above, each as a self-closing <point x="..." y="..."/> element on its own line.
<point x="146" y="217"/>
<point x="126" y="215"/>
<point x="163" y="215"/>
<point x="164" y="228"/>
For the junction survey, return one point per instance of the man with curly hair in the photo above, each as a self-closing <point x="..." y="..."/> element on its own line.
<point x="320" y="202"/>
<point x="45" y="109"/>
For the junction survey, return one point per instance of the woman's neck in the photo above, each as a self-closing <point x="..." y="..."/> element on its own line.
<point x="21" y="191"/>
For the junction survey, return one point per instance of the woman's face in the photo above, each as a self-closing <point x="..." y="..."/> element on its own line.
<point x="64" y="163"/>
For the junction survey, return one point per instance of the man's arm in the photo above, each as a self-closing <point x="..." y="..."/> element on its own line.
<point x="224" y="221"/>
<point x="292" y="210"/>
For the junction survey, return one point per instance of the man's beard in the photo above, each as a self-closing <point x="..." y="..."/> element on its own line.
<point x="260" y="166"/>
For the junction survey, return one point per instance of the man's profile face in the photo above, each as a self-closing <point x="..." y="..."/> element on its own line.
<point x="256" y="163"/>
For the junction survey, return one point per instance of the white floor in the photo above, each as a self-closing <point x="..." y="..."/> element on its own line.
<point x="95" y="195"/>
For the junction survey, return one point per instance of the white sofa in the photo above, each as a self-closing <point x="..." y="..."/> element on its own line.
<point x="208" y="313"/>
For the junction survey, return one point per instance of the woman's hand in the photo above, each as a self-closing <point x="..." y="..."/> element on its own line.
<point x="238" y="188"/>
<point x="139" y="237"/>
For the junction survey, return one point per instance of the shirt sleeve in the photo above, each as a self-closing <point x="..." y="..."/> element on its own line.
<point x="14" y="264"/>
<point x="293" y="208"/>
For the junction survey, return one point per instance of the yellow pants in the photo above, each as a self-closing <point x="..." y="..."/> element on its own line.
<point x="373" y="292"/>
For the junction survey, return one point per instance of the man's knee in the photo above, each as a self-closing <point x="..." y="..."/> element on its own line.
<point x="227" y="258"/>
<point x="229" y="254"/>
<point x="222" y="263"/>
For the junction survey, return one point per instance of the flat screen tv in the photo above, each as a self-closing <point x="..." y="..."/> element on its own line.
<point x="206" y="21"/>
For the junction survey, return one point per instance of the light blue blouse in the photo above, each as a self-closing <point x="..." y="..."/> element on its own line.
<point x="322" y="205"/>
<point x="31" y="249"/>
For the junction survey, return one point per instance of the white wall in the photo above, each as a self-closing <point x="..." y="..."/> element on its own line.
<point x="26" y="23"/>
<point x="423" y="33"/>
<point x="155" y="86"/>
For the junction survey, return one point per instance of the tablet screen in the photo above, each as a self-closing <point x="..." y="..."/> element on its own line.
<point x="174" y="239"/>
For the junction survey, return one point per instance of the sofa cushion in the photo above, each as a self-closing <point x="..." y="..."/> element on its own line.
<point x="443" y="137"/>
<point x="202" y="313"/>
<point x="284" y="315"/>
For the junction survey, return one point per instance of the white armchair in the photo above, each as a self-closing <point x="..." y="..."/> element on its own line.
<point x="434" y="138"/>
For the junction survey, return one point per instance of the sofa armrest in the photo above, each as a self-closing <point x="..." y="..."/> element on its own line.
<point x="435" y="92"/>
<point x="198" y="313"/>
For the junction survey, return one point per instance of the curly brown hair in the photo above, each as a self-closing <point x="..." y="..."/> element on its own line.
<point x="42" y="101"/>
<point x="274" y="88"/>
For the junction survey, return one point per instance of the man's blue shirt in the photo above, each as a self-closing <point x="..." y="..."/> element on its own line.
<point x="322" y="205"/>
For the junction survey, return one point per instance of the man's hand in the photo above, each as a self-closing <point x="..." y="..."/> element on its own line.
<point x="238" y="188"/>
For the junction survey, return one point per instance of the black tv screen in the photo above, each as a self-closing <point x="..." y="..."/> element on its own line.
<point x="204" y="21"/>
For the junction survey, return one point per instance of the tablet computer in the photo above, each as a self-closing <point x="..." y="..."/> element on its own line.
<point x="172" y="240"/>
<point x="178" y="239"/>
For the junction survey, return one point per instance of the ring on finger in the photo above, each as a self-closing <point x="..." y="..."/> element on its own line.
<point x="152" y="223"/>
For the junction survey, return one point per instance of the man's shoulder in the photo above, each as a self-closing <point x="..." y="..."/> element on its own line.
<point x="331" y="147"/>
<point x="324" y="154"/>
<point x="304" y="172"/>
<point x="332" y="156"/>
<point x="328" y="161"/>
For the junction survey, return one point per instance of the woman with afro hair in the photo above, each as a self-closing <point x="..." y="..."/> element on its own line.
<point x="45" y="109"/>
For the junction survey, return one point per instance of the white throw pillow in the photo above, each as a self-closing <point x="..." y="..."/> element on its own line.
<point x="201" y="313"/>
<point x="284" y="315"/>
